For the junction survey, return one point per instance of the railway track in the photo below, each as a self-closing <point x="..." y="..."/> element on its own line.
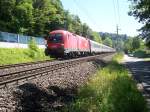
<point x="23" y="64"/>
<point x="20" y="73"/>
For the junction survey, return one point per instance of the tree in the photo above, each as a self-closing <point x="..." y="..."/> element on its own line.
<point x="128" y="45"/>
<point x="84" y="29"/>
<point x="96" y="37"/>
<point x="23" y="17"/>
<point x="140" y="9"/>
<point x="107" y="41"/>
<point x="33" y="48"/>
<point x="135" y="43"/>
<point x="6" y="14"/>
<point x="132" y="44"/>
<point x="47" y="16"/>
<point x="38" y="17"/>
<point x="77" y="23"/>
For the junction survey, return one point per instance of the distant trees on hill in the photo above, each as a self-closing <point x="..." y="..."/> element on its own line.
<point x="124" y="43"/>
<point x="113" y="40"/>
<point x="107" y="41"/>
<point x="113" y="36"/>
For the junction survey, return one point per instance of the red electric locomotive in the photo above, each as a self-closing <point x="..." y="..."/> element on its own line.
<point x="62" y="43"/>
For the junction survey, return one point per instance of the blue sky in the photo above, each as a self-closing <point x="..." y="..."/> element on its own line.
<point x="102" y="15"/>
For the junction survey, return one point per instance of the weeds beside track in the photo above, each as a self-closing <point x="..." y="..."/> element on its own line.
<point x="111" y="89"/>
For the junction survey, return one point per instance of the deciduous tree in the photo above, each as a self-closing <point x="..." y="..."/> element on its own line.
<point x="107" y="41"/>
<point x="140" y="9"/>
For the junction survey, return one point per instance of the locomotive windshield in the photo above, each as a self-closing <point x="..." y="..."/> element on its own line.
<point x="55" y="38"/>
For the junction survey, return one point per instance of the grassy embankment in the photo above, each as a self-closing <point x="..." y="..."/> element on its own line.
<point x="18" y="55"/>
<point x="111" y="89"/>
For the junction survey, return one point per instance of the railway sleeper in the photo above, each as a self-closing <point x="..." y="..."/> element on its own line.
<point x="22" y="81"/>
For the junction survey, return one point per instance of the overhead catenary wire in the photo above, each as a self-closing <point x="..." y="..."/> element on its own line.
<point x="118" y="9"/>
<point x="117" y="21"/>
<point x="114" y="8"/>
<point x="85" y="11"/>
<point x="116" y="14"/>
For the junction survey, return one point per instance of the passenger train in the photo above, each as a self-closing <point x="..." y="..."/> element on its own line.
<point x="61" y="43"/>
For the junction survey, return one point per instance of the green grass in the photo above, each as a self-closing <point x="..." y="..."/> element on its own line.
<point x="118" y="57"/>
<point x="111" y="89"/>
<point x="17" y="55"/>
<point x="147" y="59"/>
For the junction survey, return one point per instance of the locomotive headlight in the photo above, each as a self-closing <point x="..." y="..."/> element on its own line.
<point x="62" y="45"/>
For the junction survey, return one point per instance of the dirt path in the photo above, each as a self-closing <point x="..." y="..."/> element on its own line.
<point x="140" y="71"/>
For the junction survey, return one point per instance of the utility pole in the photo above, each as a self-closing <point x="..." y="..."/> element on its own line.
<point x="117" y="30"/>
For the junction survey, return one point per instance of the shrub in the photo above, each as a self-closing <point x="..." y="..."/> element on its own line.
<point x="33" y="48"/>
<point x="118" y="57"/>
<point x="140" y="54"/>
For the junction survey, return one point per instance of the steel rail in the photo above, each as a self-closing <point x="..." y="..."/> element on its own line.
<point x="16" y="76"/>
<point x="22" y="64"/>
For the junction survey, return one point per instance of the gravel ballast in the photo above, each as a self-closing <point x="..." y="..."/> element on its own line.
<point x="47" y="93"/>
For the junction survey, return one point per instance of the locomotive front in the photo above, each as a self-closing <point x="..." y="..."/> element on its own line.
<point x="55" y="44"/>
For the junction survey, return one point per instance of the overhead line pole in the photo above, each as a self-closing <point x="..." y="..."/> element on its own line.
<point x="117" y="30"/>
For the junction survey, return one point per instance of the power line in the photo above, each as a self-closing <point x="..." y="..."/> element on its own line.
<point x="118" y="12"/>
<point x="85" y="12"/>
<point x="114" y="11"/>
<point x="117" y="20"/>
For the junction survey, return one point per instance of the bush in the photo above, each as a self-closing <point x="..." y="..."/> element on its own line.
<point x="140" y="54"/>
<point x="118" y="57"/>
<point x="33" y="49"/>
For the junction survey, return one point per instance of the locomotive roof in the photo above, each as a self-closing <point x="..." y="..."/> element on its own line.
<point x="60" y="31"/>
<point x="64" y="31"/>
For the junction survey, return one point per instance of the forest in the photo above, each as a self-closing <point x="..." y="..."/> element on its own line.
<point x="38" y="17"/>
